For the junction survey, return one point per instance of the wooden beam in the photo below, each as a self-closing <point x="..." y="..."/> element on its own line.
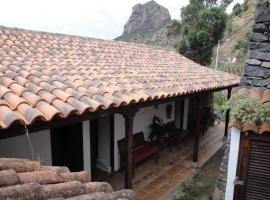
<point x="197" y="135"/>
<point x="227" y="115"/>
<point x="129" y="118"/>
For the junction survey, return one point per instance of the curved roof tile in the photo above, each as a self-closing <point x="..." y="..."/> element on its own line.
<point x="43" y="75"/>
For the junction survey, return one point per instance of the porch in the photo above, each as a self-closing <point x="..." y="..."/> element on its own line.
<point x="155" y="181"/>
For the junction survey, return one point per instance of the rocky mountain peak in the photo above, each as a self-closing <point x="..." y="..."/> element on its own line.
<point x="149" y="16"/>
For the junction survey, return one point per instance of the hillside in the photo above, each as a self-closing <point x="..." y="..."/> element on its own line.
<point x="233" y="46"/>
<point x="157" y="38"/>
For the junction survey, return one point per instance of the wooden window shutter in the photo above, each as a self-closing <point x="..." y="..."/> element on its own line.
<point x="254" y="168"/>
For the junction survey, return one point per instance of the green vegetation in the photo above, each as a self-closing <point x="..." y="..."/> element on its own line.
<point x="234" y="44"/>
<point x="135" y="36"/>
<point x="242" y="44"/>
<point x="225" y="3"/>
<point x="237" y="9"/>
<point x="202" y="26"/>
<point x="220" y="105"/>
<point x="174" y="28"/>
<point x="248" y="110"/>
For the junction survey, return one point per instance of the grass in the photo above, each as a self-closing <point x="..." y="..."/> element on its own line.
<point x="201" y="185"/>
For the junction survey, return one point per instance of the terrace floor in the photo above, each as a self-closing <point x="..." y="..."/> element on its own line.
<point x="156" y="181"/>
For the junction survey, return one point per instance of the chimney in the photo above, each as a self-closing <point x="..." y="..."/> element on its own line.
<point x="257" y="66"/>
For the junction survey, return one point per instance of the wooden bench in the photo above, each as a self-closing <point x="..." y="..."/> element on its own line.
<point x="142" y="150"/>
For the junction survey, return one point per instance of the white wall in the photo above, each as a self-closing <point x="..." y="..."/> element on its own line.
<point x="17" y="147"/>
<point x="185" y="122"/>
<point x="142" y="120"/>
<point x="86" y="146"/>
<point x="232" y="165"/>
<point x="103" y="161"/>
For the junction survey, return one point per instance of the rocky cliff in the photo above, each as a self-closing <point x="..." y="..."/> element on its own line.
<point x="156" y="38"/>
<point x="149" y="16"/>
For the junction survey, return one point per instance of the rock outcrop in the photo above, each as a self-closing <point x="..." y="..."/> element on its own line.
<point x="155" y="38"/>
<point x="147" y="17"/>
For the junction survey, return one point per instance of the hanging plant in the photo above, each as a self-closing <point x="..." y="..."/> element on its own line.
<point x="265" y="110"/>
<point x="246" y="109"/>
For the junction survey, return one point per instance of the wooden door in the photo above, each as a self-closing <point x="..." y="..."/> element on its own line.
<point x="67" y="146"/>
<point x="254" y="168"/>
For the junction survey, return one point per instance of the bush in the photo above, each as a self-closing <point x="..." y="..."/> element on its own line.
<point x="242" y="45"/>
<point x="247" y="110"/>
<point x="220" y="104"/>
<point x="229" y="28"/>
<point x="174" y="28"/>
<point x="237" y="9"/>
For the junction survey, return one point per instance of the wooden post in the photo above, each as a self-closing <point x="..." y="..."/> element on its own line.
<point x="129" y="117"/>
<point x="227" y="116"/>
<point x="197" y="135"/>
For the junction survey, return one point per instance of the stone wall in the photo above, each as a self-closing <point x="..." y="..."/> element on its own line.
<point x="257" y="67"/>
<point x="220" y="188"/>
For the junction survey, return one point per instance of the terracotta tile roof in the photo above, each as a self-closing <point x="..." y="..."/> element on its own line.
<point x="259" y="93"/>
<point x="46" y="75"/>
<point x="24" y="179"/>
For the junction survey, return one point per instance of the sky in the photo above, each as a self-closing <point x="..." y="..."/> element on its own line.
<point x="103" y="19"/>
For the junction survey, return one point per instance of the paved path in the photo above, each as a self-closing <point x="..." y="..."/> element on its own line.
<point x="164" y="184"/>
<point x="200" y="186"/>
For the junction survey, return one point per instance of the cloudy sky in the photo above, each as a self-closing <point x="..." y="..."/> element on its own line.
<point x="93" y="18"/>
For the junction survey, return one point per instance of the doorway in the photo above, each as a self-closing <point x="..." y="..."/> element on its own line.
<point x="102" y="147"/>
<point x="67" y="146"/>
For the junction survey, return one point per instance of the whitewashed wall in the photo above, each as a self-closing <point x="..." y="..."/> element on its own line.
<point x="232" y="165"/>
<point x="17" y="147"/>
<point x="103" y="161"/>
<point x="185" y="122"/>
<point x="142" y="120"/>
<point x="86" y="147"/>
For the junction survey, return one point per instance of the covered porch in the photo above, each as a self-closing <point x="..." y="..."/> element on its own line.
<point x="194" y="151"/>
<point x="155" y="181"/>
<point x="82" y="129"/>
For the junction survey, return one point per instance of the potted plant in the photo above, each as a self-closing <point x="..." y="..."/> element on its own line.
<point x="247" y="110"/>
<point x="156" y="127"/>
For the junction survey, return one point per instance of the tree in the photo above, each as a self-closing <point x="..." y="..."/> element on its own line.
<point x="225" y="3"/>
<point x="237" y="9"/>
<point x="174" y="28"/>
<point x="203" y="24"/>
<point x="213" y="21"/>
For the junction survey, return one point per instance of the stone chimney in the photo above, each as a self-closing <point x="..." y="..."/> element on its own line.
<point x="257" y="67"/>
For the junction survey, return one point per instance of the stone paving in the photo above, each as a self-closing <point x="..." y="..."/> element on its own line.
<point x="155" y="181"/>
<point x="200" y="186"/>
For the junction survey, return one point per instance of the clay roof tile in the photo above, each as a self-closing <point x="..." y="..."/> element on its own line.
<point x="56" y="74"/>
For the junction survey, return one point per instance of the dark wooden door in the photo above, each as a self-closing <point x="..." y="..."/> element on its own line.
<point x="67" y="146"/>
<point x="254" y="168"/>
